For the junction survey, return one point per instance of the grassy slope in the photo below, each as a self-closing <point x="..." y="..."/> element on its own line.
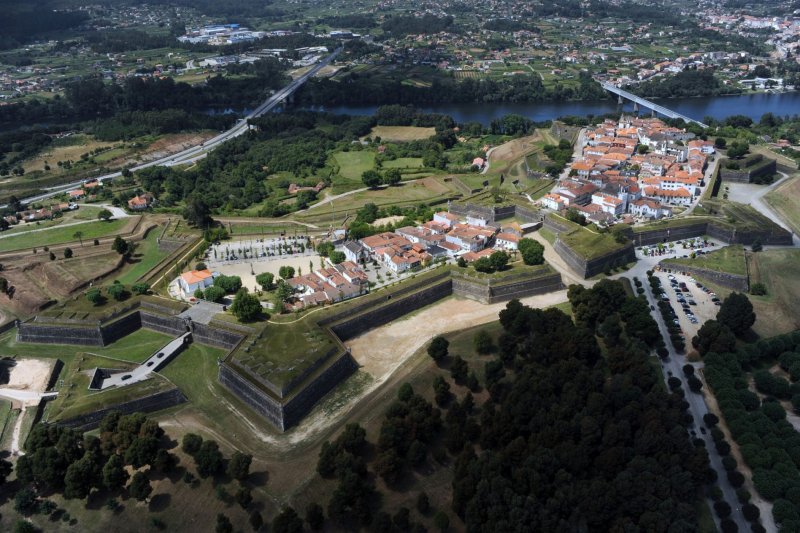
<point x="147" y="256"/>
<point x="729" y="259"/>
<point x="58" y="235"/>
<point x="786" y="201"/>
<point x="353" y="164"/>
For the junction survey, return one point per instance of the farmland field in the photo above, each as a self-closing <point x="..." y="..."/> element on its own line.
<point x="401" y="133"/>
<point x="353" y="164"/>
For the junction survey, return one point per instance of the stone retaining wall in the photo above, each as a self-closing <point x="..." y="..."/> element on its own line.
<point x="489" y="294"/>
<point x="597" y="265"/>
<point x="736" y="282"/>
<point x="148" y="404"/>
<point x="54" y="334"/>
<point x="398" y="307"/>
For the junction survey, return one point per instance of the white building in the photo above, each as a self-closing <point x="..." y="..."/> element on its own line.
<point x="196" y="279"/>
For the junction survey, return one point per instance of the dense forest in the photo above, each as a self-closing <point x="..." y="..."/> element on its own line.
<point x="401" y="25"/>
<point x="24" y="22"/>
<point x="353" y="89"/>
<point x="576" y="435"/>
<point x="688" y="83"/>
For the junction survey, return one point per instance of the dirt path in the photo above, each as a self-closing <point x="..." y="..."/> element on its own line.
<point x="15" y="450"/>
<point x="568" y="275"/>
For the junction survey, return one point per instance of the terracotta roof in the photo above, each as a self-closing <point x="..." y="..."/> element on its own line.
<point x="195" y="276"/>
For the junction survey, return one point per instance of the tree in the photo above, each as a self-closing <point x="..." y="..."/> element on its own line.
<point x="223" y="524"/>
<point x="142" y="451"/>
<point x="105" y="215"/>
<point x="239" y="465"/>
<point x="482" y="342"/>
<point x="81" y="476"/>
<point x="265" y="279"/>
<point x="230" y="284"/>
<point x="499" y="260"/>
<point x="532" y="251"/>
<point x="714" y="337"/>
<point x="25" y="501"/>
<point x="246" y="307"/>
<point x="121" y="246"/>
<point x="756" y="246"/>
<point x="3" y="285"/>
<point x="208" y="459"/>
<point x="438" y="348"/>
<point x="164" y="461"/>
<point x="140" y="486"/>
<point x="214" y="294"/>
<point x="720" y="143"/>
<point x="337" y="257"/>
<point x="371" y="178"/>
<point x="94" y="296"/>
<point x="117" y="291"/>
<point x="738" y="149"/>
<point x="286" y="272"/>
<point x="197" y="213"/>
<point x="737" y="313"/>
<point x="287" y="522"/>
<point x="140" y="288"/>
<point x="67" y="253"/>
<point x="423" y="504"/>
<point x="314" y="516"/>
<point x="244" y="497"/>
<point x="191" y="443"/>
<point x="441" y="520"/>
<point x="392" y="177"/>
<point x="78" y="235"/>
<point x="758" y="289"/>
<point x="459" y="369"/>
<point x="256" y="520"/>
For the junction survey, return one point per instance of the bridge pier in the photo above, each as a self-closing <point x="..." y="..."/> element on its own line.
<point x="620" y="100"/>
<point x="636" y="108"/>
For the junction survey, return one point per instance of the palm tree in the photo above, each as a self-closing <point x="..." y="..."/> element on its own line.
<point x="78" y="235"/>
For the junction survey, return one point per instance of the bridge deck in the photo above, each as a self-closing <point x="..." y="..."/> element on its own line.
<point x="648" y="104"/>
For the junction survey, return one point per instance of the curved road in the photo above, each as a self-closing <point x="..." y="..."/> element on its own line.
<point x="195" y="153"/>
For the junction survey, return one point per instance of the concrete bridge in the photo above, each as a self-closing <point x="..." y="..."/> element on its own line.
<point x="639" y="101"/>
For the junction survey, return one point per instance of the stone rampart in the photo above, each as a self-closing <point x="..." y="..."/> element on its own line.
<point x="485" y="292"/>
<point x="737" y="282"/>
<point x="305" y="399"/>
<point x="655" y="236"/>
<point x="148" y="404"/>
<point x="396" y="308"/>
<point x="121" y="327"/>
<point x="555" y="225"/>
<point x="169" y="325"/>
<point x="596" y="265"/>
<point x="59" y="334"/>
<point x="252" y="395"/>
<point x="218" y="337"/>
<point x="756" y="167"/>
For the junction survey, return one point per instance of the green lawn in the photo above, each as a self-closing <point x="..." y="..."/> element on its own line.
<point x="730" y="259"/>
<point x="59" y="235"/>
<point x="588" y="244"/>
<point x="785" y="200"/>
<point x="404" y="162"/>
<point x="353" y="164"/>
<point x="146" y="256"/>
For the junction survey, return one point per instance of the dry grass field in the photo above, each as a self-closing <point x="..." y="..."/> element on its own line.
<point x="785" y="200"/>
<point x="401" y="133"/>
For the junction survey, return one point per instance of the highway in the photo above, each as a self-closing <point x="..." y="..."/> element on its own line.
<point x="195" y="153"/>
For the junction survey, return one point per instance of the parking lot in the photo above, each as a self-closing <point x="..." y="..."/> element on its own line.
<point x="692" y="304"/>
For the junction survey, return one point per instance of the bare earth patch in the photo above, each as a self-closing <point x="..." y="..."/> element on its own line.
<point x="30" y="374"/>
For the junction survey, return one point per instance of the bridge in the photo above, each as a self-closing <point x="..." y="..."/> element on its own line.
<point x="195" y="153"/>
<point x="639" y="101"/>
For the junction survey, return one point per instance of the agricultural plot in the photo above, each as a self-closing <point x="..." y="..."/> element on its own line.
<point x="353" y="164"/>
<point x="401" y="133"/>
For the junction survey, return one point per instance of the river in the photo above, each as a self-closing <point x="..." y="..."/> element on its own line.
<point x="718" y="107"/>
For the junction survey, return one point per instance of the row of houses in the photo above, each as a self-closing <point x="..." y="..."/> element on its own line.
<point x="334" y="283"/>
<point x="637" y="166"/>
<point x="447" y="235"/>
<point x="43" y="213"/>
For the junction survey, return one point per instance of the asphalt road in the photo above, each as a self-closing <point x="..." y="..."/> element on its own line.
<point x="697" y="408"/>
<point x="195" y="153"/>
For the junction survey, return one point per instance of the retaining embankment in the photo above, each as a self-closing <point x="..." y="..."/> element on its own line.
<point x="148" y="404"/>
<point x="486" y="292"/>
<point x="397" y="307"/>
<point x="737" y="282"/>
<point x="775" y="236"/>
<point x="597" y="265"/>
<point x="285" y="415"/>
